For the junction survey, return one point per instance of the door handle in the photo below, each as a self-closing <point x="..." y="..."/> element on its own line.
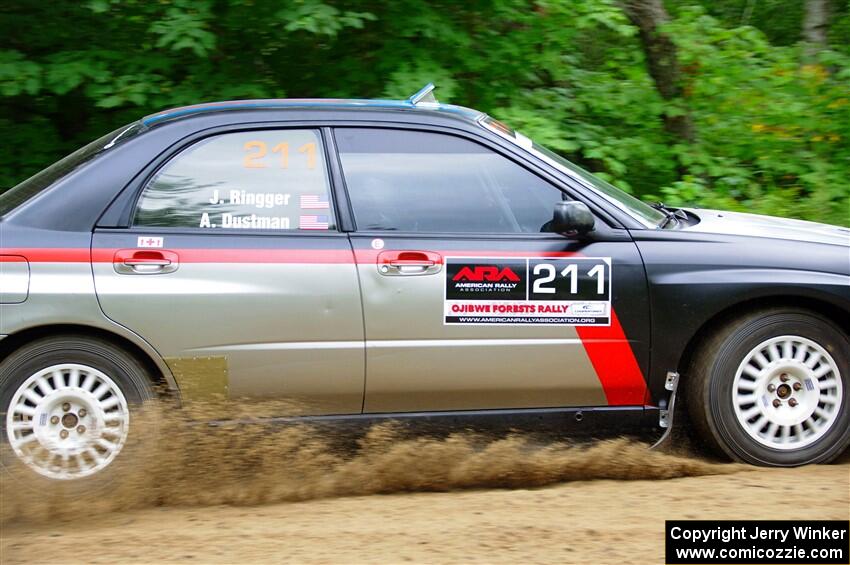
<point x="405" y="263"/>
<point x="144" y="262"/>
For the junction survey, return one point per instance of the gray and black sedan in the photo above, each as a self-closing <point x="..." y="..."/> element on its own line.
<point x="412" y="260"/>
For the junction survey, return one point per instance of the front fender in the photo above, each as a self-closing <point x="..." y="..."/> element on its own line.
<point x="695" y="279"/>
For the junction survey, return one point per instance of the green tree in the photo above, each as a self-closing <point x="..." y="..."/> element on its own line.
<point x="772" y="126"/>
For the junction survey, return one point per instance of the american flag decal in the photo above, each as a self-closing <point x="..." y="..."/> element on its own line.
<point x="313" y="222"/>
<point x="314" y="202"/>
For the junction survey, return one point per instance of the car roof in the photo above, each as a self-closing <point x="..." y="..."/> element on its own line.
<point x="310" y="103"/>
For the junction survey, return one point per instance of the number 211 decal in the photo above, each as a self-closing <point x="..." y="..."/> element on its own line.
<point x="255" y="153"/>
<point x="574" y="291"/>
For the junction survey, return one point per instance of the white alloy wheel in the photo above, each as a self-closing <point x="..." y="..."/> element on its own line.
<point x="787" y="392"/>
<point x="67" y="421"/>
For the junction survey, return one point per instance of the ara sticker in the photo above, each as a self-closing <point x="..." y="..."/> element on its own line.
<point x="574" y="291"/>
<point x="148" y="241"/>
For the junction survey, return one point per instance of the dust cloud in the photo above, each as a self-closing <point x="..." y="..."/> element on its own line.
<point x="175" y="459"/>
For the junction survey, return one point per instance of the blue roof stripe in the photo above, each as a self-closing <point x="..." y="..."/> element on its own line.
<point x="302" y="103"/>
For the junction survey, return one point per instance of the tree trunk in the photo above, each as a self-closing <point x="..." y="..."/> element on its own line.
<point x="648" y="16"/>
<point x="815" y="25"/>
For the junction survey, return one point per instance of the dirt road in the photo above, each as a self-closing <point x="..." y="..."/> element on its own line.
<point x="588" y="519"/>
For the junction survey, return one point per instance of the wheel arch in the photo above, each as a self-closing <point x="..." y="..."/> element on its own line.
<point x="162" y="379"/>
<point x="837" y="315"/>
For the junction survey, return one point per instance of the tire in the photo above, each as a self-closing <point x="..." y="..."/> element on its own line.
<point x="76" y="396"/>
<point x="771" y="388"/>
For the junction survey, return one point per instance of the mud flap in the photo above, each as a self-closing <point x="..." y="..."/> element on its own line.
<point x="665" y="415"/>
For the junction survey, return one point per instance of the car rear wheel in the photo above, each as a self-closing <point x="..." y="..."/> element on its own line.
<point x="771" y="388"/>
<point x="67" y="404"/>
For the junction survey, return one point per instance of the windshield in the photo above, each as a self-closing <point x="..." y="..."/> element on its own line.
<point x="641" y="211"/>
<point x="22" y="192"/>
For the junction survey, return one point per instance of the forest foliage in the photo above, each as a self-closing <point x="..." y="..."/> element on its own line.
<point x="770" y="111"/>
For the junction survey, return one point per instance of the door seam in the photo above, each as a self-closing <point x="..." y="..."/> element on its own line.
<point x="363" y="321"/>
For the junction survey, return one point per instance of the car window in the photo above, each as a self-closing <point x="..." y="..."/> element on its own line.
<point x="643" y="212"/>
<point x="255" y="180"/>
<point x="46" y="178"/>
<point x="431" y="182"/>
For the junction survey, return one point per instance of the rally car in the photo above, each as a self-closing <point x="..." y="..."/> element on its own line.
<point x="407" y="259"/>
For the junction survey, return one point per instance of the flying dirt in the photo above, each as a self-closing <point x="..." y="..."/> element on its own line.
<point x="254" y="492"/>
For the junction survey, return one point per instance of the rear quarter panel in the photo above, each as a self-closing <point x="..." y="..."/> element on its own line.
<point x="61" y="290"/>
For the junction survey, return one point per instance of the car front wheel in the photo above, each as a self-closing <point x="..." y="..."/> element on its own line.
<point x="771" y="388"/>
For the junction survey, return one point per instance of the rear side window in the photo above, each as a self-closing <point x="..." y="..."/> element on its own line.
<point x="431" y="182"/>
<point x="256" y="180"/>
<point x="46" y="178"/>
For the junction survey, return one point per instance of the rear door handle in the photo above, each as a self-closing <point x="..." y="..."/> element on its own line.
<point x="406" y="263"/>
<point x="145" y="262"/>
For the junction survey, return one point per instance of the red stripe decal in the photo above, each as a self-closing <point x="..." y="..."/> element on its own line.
<point x="242" y="255"/>
<point x="51" y="254"/>
<point x="370" y="256"/>
<point x="280" y="256"/>
<point x="614" y="362"/>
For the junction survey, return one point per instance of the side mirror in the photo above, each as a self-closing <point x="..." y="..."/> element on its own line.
<point x="571" y="216"/>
